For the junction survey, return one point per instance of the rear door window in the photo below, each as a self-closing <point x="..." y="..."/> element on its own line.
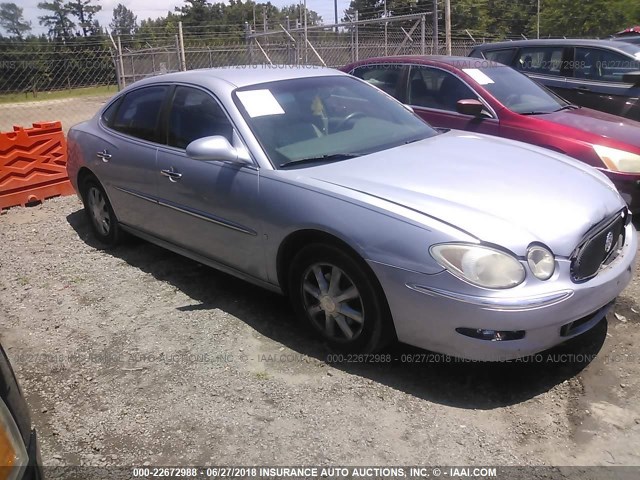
<point x="540" y="60"/>
<point x="139" y="112"/>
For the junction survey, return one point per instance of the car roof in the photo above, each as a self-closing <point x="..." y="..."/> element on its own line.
<point x="451" y="60"/>
<point x="243" y="75"/>
<point x="580" y="42"/>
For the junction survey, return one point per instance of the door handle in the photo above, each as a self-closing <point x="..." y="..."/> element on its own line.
<point x="171" y="174"/>
<point x="584" y="89"/>
<point x="104" y="155"/>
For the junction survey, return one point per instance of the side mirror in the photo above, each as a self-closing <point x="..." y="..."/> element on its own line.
<point x="632" y="77"/>
<point x="470" y="106"/>
<point x="214" y="148"/>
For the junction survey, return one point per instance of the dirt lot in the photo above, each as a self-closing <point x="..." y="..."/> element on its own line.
<point x="69" y="111"/>
<point x="138" y="355"/>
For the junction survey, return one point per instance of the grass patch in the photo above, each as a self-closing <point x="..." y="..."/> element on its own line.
<point x="58" y="94"/>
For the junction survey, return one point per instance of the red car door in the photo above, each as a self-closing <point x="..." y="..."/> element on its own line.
<point x="433" y="94"/>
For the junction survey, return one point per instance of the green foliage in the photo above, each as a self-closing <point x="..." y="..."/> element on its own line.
<point x="124" y="21"/>
<point x="575" y="18"/>
<point x="12" y="21"/>
<point x="84" y="12"/>
<point x="57" y="20"/>
<point x="502" y="18"/>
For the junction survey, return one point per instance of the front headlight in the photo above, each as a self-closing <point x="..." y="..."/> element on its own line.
<point x="482" y="266"/>
<point x="541" y="262"/>
<point x="13" y="455"/>
<point x="618" y="160"/>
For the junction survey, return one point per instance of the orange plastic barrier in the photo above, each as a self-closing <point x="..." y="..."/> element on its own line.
<point x="33" y="164"/>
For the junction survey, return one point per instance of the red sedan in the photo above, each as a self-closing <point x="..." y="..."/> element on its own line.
<point x="485" y="97"/>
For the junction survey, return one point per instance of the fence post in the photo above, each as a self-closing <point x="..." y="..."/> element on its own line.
<point x="447" y="25"/>
<point x="183" y="60"/>
<point x="386" y="30"/>
<point x="247" y="40"/>
<point x="435" y="49"/>
<point x="178" y="53"/>
<point x="423" y="25"/>
<point x="356" y="38"/>
<point x="121" y="63"/>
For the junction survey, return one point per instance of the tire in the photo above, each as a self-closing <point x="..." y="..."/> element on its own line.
<point x="102" y="219"/>
<point x="351" y="314"/>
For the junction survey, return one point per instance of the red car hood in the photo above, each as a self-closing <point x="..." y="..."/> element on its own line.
<point x="598" y="123"/>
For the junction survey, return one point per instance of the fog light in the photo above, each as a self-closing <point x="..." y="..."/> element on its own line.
<point x="492" y="335"/>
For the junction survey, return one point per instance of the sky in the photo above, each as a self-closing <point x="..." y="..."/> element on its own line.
<point x="158" y="8"/>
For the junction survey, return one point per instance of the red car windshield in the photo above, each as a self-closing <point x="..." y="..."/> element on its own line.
<point x="516" y="91"/>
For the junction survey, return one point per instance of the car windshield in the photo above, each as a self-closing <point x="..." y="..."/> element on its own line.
<point x="324" y="119"/>
<point x="516" y="91"/>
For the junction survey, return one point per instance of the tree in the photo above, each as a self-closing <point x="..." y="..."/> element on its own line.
<point x="295" y="12"/>
<point x="12" y="21"/>
<point x="84" y="12"/>
<point x="57" y="21"/>
<point x="588" y="17"/>
<point x="124" y="22"/>
<point x="368" y="9"/>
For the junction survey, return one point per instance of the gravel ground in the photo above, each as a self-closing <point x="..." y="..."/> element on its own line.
<point x="137" y="355"/>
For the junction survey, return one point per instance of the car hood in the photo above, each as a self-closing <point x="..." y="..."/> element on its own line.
<point x="500" y="191"/>
<point x="598" y="123"/>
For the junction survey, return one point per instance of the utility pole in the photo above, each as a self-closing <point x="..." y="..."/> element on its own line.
<point x="335" y="13"/>
<point x="447" y="25"/>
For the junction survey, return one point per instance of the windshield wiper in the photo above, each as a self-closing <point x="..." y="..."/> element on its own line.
<point x="534" y="113"/>
<point x="335" y="157"/>
<point x="569" y="106"/>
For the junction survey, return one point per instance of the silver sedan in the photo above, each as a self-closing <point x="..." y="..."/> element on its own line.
<point x="314" y="184"/>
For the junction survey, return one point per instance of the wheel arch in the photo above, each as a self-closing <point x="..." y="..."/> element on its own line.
<point x="83" y="174"/>
<point x="296" y="241"/>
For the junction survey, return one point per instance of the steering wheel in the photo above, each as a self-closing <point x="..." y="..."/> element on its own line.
<point x="347" y="119"/>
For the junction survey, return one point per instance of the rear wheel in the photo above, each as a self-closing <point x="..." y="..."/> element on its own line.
<point x="100" y="213"/>
<point x="339" y="299"/>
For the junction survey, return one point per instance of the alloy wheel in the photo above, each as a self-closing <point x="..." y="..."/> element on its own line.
<point x="332" y="302"/>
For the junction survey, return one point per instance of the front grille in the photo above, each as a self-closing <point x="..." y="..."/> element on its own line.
<point x="601" y="245"/>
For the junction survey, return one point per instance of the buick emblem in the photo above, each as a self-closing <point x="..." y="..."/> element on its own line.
<point x="608" y="243"/>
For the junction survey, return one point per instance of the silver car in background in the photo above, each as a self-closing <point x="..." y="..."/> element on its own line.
<point x="312" y="183"/>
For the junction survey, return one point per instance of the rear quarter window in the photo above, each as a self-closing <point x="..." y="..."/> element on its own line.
<point x="504" y="56"/>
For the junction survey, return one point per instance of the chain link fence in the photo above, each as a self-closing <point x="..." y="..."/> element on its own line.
<point x="47" y="81"/>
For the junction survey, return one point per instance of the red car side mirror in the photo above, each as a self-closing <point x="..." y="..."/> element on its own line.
<point x="470" y="106"/>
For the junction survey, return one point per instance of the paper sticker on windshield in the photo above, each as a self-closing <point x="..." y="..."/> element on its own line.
<point x="259" y="103"/>
<point x="478" y="76"/>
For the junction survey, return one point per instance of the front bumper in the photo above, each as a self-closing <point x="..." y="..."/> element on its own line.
<point x="427" y="309"/>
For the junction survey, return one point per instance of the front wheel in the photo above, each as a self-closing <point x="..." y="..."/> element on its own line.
<point x="339" y="299"/>
<point x="100" y="213"/>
